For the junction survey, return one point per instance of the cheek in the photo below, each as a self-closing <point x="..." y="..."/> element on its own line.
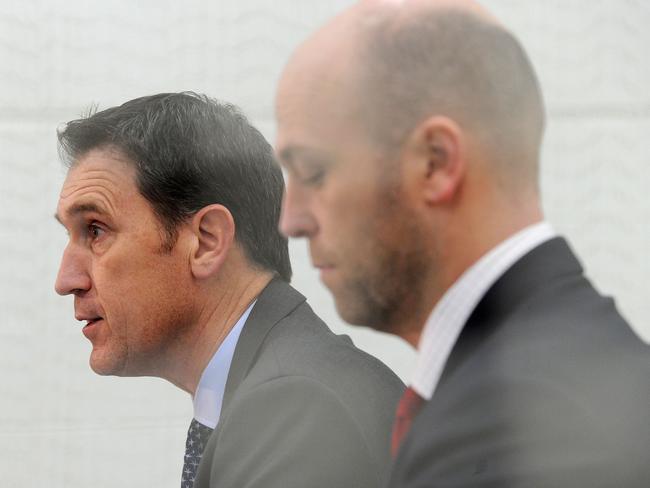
<point x="166" y="313"/>
<point x="141" y="281"/>
<point x="158" y="311"/>
<point x="344" y="206"/>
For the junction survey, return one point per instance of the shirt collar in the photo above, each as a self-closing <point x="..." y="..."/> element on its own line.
<point x="212" y="385"/>
<point x="454" y="308"/>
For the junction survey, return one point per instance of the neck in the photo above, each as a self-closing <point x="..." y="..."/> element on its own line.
<point x="460" y="249"/>
<point x="222" y="307"/>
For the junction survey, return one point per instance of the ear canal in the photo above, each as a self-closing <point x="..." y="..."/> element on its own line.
<point x="435" y="161"/>
<point x="431" y="167"/>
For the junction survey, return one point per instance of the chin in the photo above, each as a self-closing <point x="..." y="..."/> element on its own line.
<point x="356" y="314"/>
<point x="101" y="370"/>
<point x="104" y="366"/>
<point x="370" y="315"/>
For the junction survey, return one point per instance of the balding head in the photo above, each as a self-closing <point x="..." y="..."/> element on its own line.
<point x="399" y="62"/>
<point x="406" y="127"/>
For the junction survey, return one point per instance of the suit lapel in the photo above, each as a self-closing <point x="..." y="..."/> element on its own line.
<point x="275" y="302"/>
<point x="542" y="267"/>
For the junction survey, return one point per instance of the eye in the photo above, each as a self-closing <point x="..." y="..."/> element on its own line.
<point x="95" y="231"/>
<point x="313" y="178"/>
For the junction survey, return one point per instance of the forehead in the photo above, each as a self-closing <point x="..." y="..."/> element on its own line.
<point x="318" y="94"/>
<point x="102" y="180"/>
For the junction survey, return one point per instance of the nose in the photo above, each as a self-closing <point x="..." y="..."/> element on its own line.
<point x="296" y="219"/>
<point x="73" y="277"/>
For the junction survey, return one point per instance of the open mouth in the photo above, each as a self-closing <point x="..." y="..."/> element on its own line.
<point x="92" y="321"/>
<point x="91" y="328"/>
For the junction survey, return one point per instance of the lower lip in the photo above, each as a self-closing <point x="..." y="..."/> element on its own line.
<point x="90" y="330"/>
<point x="324" y="272"/>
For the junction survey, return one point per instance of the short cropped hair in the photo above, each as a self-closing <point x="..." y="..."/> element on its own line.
<point x="190" y="151"/>
<point x="446" y="61"/>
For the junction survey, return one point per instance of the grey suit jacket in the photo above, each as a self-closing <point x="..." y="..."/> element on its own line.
<point x="547" y="386"/>
<point x="302" y="408"/>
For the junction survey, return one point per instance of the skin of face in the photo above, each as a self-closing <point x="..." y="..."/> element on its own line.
<point x="393" y="216"/>
<point x="348" y="200"/>
<point x="135" y="298"/>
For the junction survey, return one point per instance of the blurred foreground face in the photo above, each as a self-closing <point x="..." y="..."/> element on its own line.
<point x="346" y="198"/>
<point x="127" y="290"/>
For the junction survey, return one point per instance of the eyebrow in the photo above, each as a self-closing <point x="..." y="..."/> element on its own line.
<point x="80" y="208"/>
<point x="289" y="154"/>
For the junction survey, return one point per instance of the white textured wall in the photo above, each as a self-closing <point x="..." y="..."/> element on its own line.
<point x="63" y="426"/>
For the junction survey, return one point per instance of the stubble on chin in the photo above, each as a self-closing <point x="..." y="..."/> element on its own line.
<point x="387" y="296"/>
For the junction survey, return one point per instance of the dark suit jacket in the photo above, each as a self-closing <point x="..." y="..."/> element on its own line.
<point x="302" y="408"/>
<point x="547" y="386"/>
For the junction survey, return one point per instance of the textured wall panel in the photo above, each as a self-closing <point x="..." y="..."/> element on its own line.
<point x="591" y="55"/>
<point x="595" y="186"/>
<point x="63" y="54"/>
<point x="63" y="426"/>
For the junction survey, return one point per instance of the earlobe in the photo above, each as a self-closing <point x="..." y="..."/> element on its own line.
<point x="214" y="231"/>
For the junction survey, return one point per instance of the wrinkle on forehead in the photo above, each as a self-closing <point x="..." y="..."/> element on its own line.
<point x="99" y="177"/>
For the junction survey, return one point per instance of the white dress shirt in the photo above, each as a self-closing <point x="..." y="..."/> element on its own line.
<point x="208" y="397"/>
<point x="454" y="308"/>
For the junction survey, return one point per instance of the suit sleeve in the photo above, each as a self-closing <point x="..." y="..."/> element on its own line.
<point x="290" y="432"/>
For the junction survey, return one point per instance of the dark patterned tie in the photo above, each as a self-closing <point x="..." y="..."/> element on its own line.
<point x="407" y="409"/>
<point x="197" y="437"/>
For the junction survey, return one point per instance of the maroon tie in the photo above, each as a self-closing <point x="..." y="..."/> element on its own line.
<point x="407" y="409"/>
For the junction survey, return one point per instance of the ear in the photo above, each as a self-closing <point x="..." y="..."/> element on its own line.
<point x="213" y="228"/>
<point x="438" y="148"/>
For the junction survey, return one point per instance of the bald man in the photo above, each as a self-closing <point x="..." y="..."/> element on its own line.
<point x="410" y="133"/>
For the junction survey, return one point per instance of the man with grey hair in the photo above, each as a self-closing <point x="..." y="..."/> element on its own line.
<point x="178" y="271"/>
<point x="411" y="132"/>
